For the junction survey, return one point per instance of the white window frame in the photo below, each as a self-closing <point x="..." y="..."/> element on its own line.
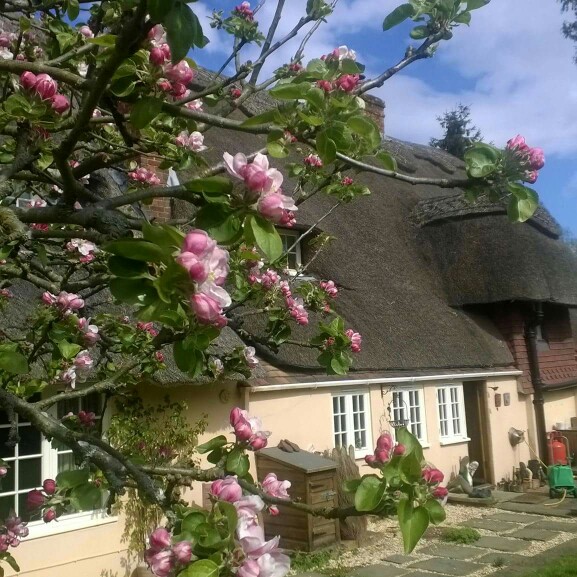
<point x="411" y="425"/>
<point x="447" y="434"/>
<point x="49" y="470"/>
<point x="361" y="452"/>
<point x="294" y="236"/>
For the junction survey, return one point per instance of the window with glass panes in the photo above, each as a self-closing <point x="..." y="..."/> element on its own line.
<point x="33" y="458"/>
<point x="451" y="410"/>
<point x="293" y="253"/>
<point x="408" y="408"/>
<point x="351" y="422"/>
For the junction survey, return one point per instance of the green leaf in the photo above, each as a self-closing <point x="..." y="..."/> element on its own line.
<point x="290" y="91"/>
<point x="145" y="111"/>
<point x="463" y="18"/>
<point x="106" y="40"/>
<point x="326" y="148"/>
<point x="73" y="478"/>
<point x="523" y="202"/>
<point x="229" y="511"/>
<point x="12" y="361"/>
<point x="481" y="160"/>
<point x="202" y="568"/>
<point x="158" y="9"/>
<point x="388" y="162"/>
<point x="237" y="462"/>
<point x="411" y="470"/>
<point x="86" y="496"/>
<point x="192" y="521"/>
<point x="165" y="236"/>
<point x="419" y="32"/>
<point x="68" y="350"/>
<point x="212" y="184"/>
<point x="413" y="523"/>
<point x="127" y="268"/>
<point x="135" y="249"/>
<point x="398" y="15"/>
<point x="132" y="291"/>
<point x="351" y="485"/>
<point x="474" y="4"/>
<point x="12" y="562"/>
<point x="277" y="149"/>
<point x="369" y="493"/>
<point x="410" y="442"/>
<point x="219" y="222"/>
<point x="436" y="511"/>
<point x="265" y="236"/>
<point x="264" y="118"/>
<point x="183" y="30"/>
<point x="187" y="357"/>
<point x="73" y="9"/>
<point x="214" y="443"/>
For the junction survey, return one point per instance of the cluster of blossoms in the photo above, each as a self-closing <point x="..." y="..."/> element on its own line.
<point x="147" y="328"/>
<point x="244" y="11"/>
<point x="37" y="499"/>
<point x="248" y="430"/>
<point x="192" y="140"/>
<point x="356" y="340"/>
<point x="340" y="53"/>
<point x="207" y="266"/>
<point x="275" y="488"/>
<point x="385" y="450"/>
<point x="142" y="175"/>
<point x="163" y="556"/>
<point x="86" y="249"/>
<point x="263" y="187"/>
<point x="66" y="302"/>
<point x="433" y="477"/>
<point x="314" y="160"/>
<point x="531" y="159"/>
<point x="46" y="88"/>
<point x="78" y="370"/>
<point x="175" y="78"/>
<point x="330" y="288"/>
<point x="89" y="332"/>
<point x="83" y="418"/>
<point x="7" y="39"/>
<point x="13" y="530"/>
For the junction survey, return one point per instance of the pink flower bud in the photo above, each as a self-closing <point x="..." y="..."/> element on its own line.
<point x="46" y="87"/>
<point x="347" y="82"/>
<point x="385" y="441"/>
<point x="180" y="73"/>
<point x="3" y="471"/>
<point x="60" y="103"/>
<point x="431" y="475"/>
<point x="226" y="489"/>
<point x="159" y="539"/>
<point x="182" y="552"/>
<point x="258" y="442"/>
<point x="381" y="455"/>
<point x="325" y="85"/>
<point x="49" y="515"/>
<point x="157" y="56"/>
<point x="197" y="241"/>
<point x="249" y="568"/>
<point x="536" y="158"/>
<point x="207" y="310"/>
<point x="34" y="500"/>
<point x="49" y="486"/>
<point x="86" y="32"/>
<point x="440" y="492"/>
<point x="161" y="562"/>
<point x="399" y="449"/>
<point x="28" y="80"/>
<point x="371" y="460"/>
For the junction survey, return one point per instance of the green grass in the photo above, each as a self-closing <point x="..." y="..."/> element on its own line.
<point x="461" y="535"/>
<point x="562" y="567"/>
<point x="303" y="562"/>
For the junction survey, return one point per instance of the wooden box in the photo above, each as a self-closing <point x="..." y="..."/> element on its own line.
<point x="313" y="481"/>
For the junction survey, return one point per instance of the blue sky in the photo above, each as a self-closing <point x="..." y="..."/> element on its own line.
<point x="512" y="67"/>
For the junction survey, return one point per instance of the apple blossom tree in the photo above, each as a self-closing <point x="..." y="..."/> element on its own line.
<point x="88" y="92"/>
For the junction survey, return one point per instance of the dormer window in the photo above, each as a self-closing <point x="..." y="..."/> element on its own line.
<point x="292" y="248"/>
<point x="542" y="342"/>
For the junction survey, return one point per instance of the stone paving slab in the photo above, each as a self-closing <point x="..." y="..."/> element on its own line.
<point x="502" y="544"/>
<point x="507" y="559"/>
<point x="567" y="509"/>
<point x="490" y="524"/>
<point x="513" y="518"/>
<point x="420" y="574"/>
<point x="380" y="570"/>
<point x="400" y="559"/>
<point x="532" y="534"/>
<point x="567" y="527"/>
<point x="452" y="551"/>
<point x="448" y="566"/>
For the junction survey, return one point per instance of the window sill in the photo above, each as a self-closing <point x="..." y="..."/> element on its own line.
<point x="39" y="529"/>
<point x="454" y="441"/>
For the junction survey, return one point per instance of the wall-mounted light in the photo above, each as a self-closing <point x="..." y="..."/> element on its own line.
<point x="498" y="398"/>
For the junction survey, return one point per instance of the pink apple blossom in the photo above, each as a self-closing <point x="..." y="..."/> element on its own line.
<point x="432" y="475"/>
<point x="517" y="144"/>
<point x="60" y="103"/>
<point x="399" y="449"/>
<point x="248" y="429"/>
<point x="249" y="355"/>
<point x="330" y="288"/>
<point x="536" y="158"/>
<point x="3" y="471"/>
<point x="69" y="301"/>
<point x="28" y="80"/>
<point x="356" y="340"/>
<point x="325" y="85"/>
<point x="204" y="260"/>
<point x="34" y="500"/>
<point x="226" y="489"/>
<point x="347" y="82"/>
<point x="83" y="363"/>
<point x="144" y="176"/>
<point x="194" y="140"/>
<point x="275" y="488"/>
<point x="208" y="311"/>
<point x="440" y="492"/>
<point x="87" y="420"/>
<point x="161" y="563"/>
<point x="180" y="73"/>
<point x="182" y="552"/>
<point x="274" y="206"/>
<point x="46" y="87"/>
<point x="68" y="377"/>
<point x="257" y="175"/>
<point x="314" y="160"/>
<point x="86" y="32"/>
<point x="159" y="539"/>
<point x="244" y="11"/>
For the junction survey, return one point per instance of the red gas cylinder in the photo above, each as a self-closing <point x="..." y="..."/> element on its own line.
<point x="557" y="449"/>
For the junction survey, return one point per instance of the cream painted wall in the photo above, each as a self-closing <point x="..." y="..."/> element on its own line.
<point x="560" y="406"/>
<point x="501" y="419"/>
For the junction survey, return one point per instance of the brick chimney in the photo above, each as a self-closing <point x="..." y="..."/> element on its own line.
<point x="375" y="110"/>
<point x="161" y="208"/>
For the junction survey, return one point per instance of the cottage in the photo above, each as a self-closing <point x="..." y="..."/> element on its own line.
<point x="466" y="325"/>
